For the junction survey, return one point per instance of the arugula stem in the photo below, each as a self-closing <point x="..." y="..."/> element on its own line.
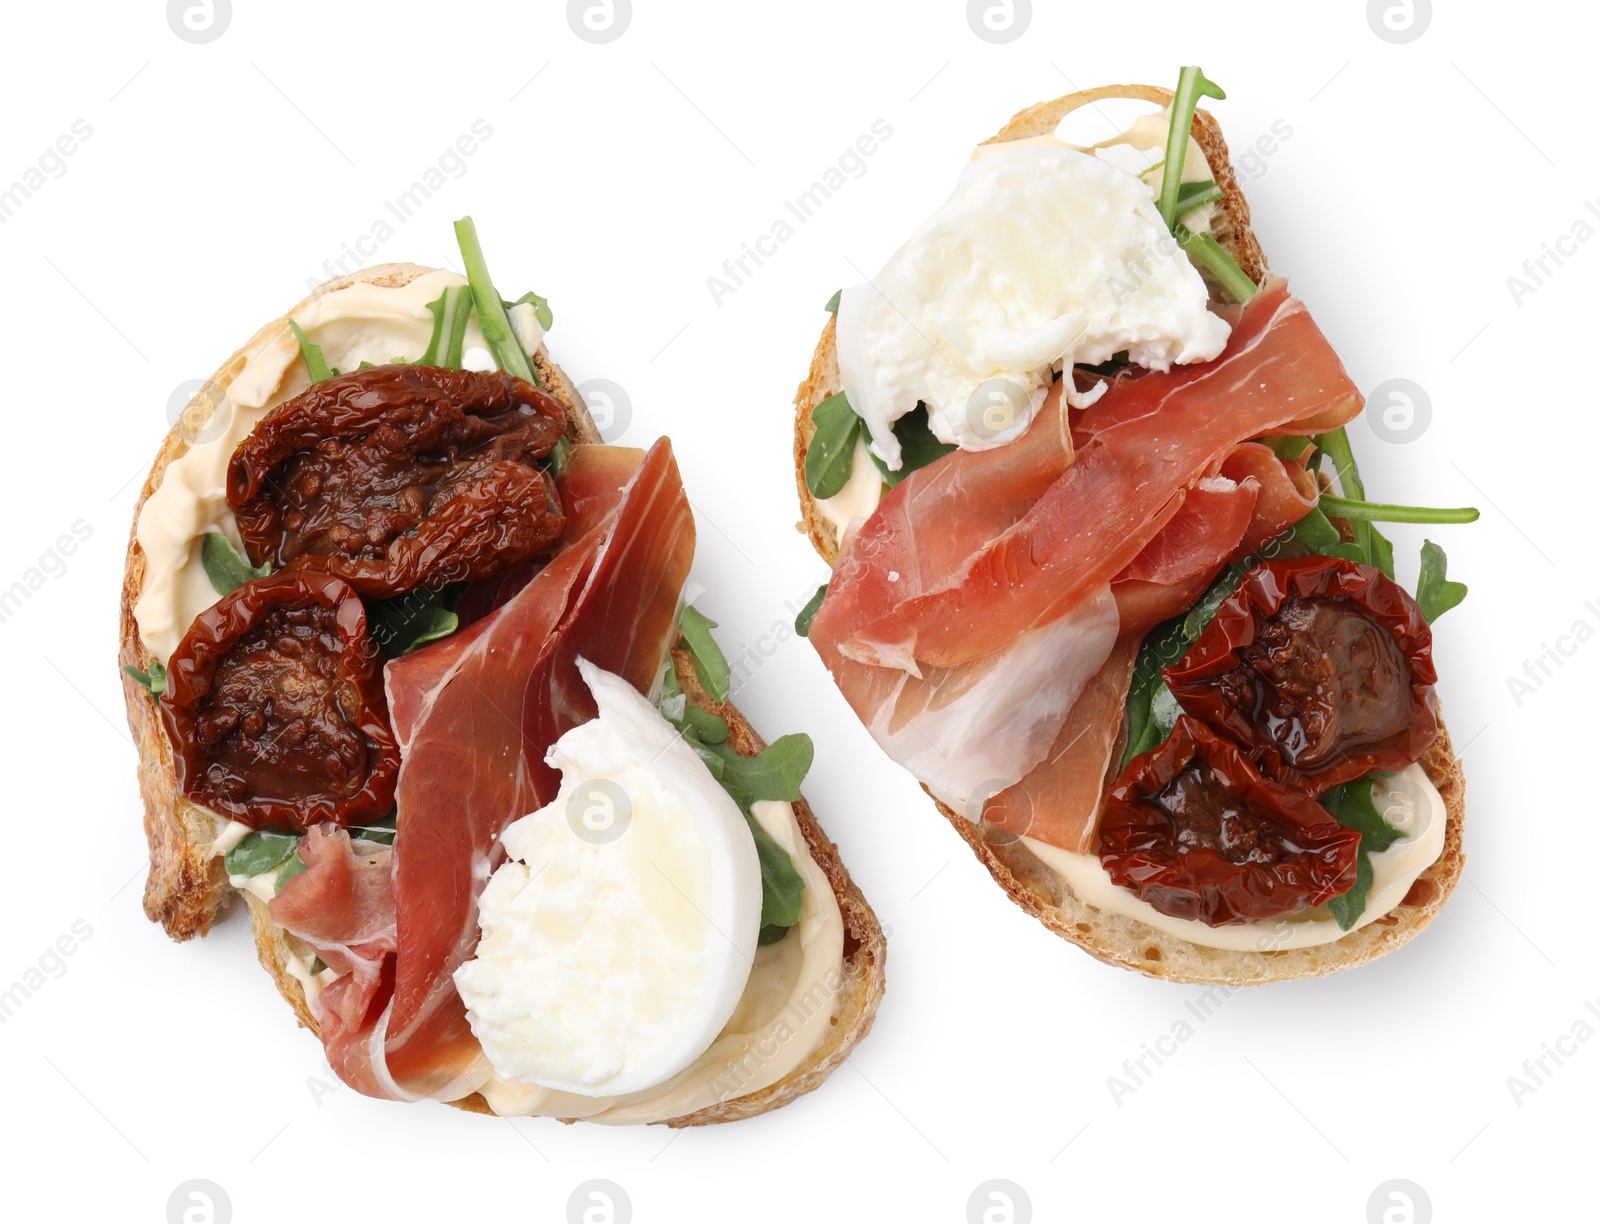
<point x="492" y="318"/>
<point x="1192" y="85"/>
<point x="1208" y="253"/>
<point x="1378" y="512"/>
<point x="1336" y="445"/>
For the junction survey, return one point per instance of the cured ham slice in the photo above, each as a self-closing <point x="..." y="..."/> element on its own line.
<point x="474" y="715"/>
<point x="969" y="563"/>
<point x="342" y="907"/>
<point x="965" y="731"/>
<point x="1286" y="492"/>
<point x="1154" y="437"/>
<point x="1058" y="801"/>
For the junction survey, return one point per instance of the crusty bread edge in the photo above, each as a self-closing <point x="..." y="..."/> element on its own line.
<point x="187" y="888"/>
<point x="1026" y="879"/>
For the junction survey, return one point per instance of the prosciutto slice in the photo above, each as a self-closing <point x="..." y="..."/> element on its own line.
<point x="474" y="716"/>
<point x="1159" y="435"/>
<point x="342" y="907"/>
<point x="976" y="563"/>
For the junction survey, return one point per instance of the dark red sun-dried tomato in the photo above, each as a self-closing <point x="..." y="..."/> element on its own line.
<point x="275" y="707"/>
<point x="401" y="477"/>
<point x="1320" y="668"/>
<point x="1195" y="831"/>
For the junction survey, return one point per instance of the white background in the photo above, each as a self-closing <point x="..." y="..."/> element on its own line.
<point x="618" y="178"/>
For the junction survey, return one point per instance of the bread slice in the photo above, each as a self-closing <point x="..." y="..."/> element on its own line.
<point x="187" y="888"/>
<point x="1029" y="882"/>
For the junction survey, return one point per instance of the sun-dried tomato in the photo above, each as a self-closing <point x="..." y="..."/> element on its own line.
<point x="275" y="707"/>
<point x="1320" y="668"/>
<point x="1196" y="832"/>
<point x="401" y="477"/>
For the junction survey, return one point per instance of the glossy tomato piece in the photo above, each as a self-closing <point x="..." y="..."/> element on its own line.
<point x="1321" y="669"/>
<point x="400" y="478"/>
<point x="1194" y="830"/>
<point x="275" y="707"/>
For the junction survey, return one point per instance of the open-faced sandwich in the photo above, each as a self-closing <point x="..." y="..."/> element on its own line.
<point x="1106" y="580"/>
<point x="409" y="670"/>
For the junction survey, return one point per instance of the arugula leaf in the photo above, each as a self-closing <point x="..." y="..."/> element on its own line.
<point x="410" y="621"/>
<point x="1353" y="807"/>
<point x="830" y="457"/>
<point x="380" y="831"/>
<point x="707" y="727"/>
<point x="1436" y="594"/>
<point x="833" y="303"/>
<point x="1380" y="550"/>
<point x="782" y="886"/>
<point x="153" y="682"/>
<point x="710" y="664"/>
<point x="259" y="853"/>
<point x="559" y="453"/>
<point x="541" y="308"/>
<point x="225" y="567"/>
<point x="450" y="310"/>
<point x="1192" y="86"/>
<point x="918" y="446"/>
<point x="1152" y="710"/>
<point x="775" y="773"/>
<point x="492" y="320"/>
<point x="807" y="614"/>
<point x="1162" y="646"/>
<point x="316" y="366"/>
<point x="292" y="867"/>
<point x="1317" y="533"/>
<point x="1193" y="195"/>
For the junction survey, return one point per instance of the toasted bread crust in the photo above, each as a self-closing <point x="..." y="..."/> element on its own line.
<point x="1029" y="882"/>
<point x="187" y="888"/>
